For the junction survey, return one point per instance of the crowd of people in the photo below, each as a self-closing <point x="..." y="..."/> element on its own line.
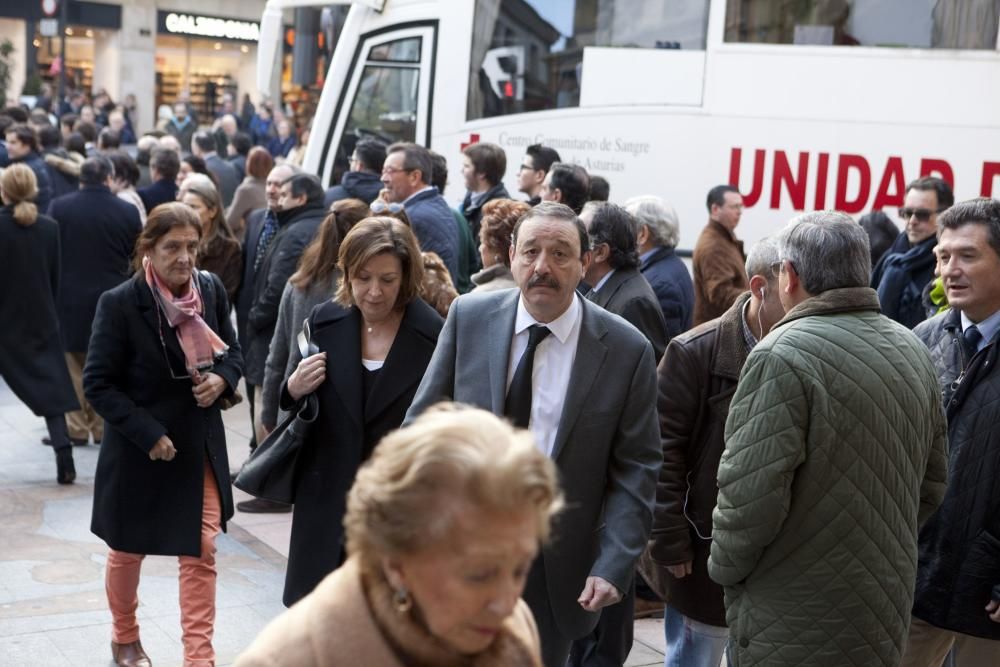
<point x="792" y="455"/>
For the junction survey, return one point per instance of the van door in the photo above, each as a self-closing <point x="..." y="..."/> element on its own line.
<point x="387" y="96"/>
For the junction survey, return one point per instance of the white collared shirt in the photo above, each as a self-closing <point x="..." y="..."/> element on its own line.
<point x="988" y="328"/>
<point x="420" y="191"/>
<point x="552" y="369"/>
<point x="600" y="283"/>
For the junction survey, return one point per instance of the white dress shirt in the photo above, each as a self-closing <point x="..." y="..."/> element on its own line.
<point x="552" y="369"/>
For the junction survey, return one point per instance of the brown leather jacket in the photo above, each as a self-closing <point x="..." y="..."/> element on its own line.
<point x="719" y="272"/>
<point x="697" y="379"/>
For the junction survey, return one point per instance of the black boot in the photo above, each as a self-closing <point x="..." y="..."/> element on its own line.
<point x="65" y="470"/>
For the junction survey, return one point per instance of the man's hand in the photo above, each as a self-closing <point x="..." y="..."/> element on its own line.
<point x="207" y="388"/>
<point x="994" y="610"/>
<point x="163" y="450"/>
<point x="598" y="593"/>
<point x="680" y="570"/>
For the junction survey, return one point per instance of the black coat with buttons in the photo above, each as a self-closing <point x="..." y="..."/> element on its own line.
<point x="144" y="506"/>
<point x="959" y="548"/>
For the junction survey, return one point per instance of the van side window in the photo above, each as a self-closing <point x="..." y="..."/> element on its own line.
<point x="939" y="24"/>
<point x="534" y="58"/>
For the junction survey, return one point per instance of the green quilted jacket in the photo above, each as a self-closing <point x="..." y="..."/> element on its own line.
<point x="835" y="454"/>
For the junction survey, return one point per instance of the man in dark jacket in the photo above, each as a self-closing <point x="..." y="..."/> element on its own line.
<point x="617" y="284"/>
<point x="535" y="165"/>
<point x="957" y="604"/>
<point x="364" y="180"/>
<point x="97" y="232"/>
<point x="300" y="213"/>
<point x="718" y="259"/>
<point x="406" y="175"/>
<point x="567" y="184"/>
<point x="661" y="267"/>
<point x="908" y="265"/>
<point x="483" y="167"/>
<point x="203" y="146"/>
<point x="64" y="172"/>
<point x="697" y="377"/>
<point x="182" y="126"/>
<point x="22" y="146"/>
<point x="163" y="167"/>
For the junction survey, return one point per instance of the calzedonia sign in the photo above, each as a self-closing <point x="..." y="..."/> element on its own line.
<point x="211" y="27"/>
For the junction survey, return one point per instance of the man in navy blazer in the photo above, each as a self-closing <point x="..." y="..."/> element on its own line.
<point x="97" y="233"/>
<point x="592" y="403"/>
<point x="163" y="167"/>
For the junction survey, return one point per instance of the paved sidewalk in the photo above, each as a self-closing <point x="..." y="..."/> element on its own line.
<point x="53" y="610"/>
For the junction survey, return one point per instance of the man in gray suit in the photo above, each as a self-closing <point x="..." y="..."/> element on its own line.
<point x="203" y="145"/>
<point x="617" y="284"/>
<point x="584" y="382"/>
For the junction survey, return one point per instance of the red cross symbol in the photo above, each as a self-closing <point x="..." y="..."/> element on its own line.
<point x="473" y="139"/>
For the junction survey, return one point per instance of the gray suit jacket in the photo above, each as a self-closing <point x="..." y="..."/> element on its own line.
<point x="607" y="447"/>
<point x="627" y="294"/>
<point x="229" y="178"/>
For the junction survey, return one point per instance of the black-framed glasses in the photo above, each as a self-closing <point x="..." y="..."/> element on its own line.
<point x="378" y="206"/>
<point x="921" y="214"/>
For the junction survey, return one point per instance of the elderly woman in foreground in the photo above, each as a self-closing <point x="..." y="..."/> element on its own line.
<point x="442" y="524"/>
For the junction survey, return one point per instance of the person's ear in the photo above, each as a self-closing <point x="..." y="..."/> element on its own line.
<point x="557" y="193"/>
<point x="393" y="571"/>
<point x="600" y="253"/>
<point x="585" y="259"/>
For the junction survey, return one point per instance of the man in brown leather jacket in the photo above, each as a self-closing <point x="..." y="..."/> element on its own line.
<point x="717" y="263"/>
<point x="697" y="379"/>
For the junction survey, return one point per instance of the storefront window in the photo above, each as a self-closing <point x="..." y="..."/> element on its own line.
<point x="534" y="59"/>
<point x="944" y="24"/>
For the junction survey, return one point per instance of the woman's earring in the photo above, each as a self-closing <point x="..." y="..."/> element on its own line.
<point x="402" y="601"/>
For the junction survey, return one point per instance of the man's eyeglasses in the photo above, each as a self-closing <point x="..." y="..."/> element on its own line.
<point x="378" y="206"/>
<point x="527" y="167"/>
<point x="921" y="214"/>
<point x="779" y="265"/>
<point x="394" y="170"/>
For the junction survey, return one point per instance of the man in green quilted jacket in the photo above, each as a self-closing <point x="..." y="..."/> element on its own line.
<point x="835" y="454"/>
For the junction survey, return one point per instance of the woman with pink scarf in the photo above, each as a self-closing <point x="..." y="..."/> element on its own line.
<point x="163" y="359"/>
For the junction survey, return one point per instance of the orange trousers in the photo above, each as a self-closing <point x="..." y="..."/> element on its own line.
<point x="197" y="587"/>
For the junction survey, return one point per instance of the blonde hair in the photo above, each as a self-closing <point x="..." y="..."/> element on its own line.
<point x="406" y="495"/>
<point x="375" y="236"/>
<point x="20" y="187"/>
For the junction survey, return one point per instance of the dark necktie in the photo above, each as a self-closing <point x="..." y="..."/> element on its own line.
<point x="518" y="406"/>
<point x="266" y="236"/>
<point x="971" y="337"/>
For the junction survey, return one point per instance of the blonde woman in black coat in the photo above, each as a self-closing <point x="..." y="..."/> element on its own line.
<point x="31" y="352"/>
<point x="163" y="356"/>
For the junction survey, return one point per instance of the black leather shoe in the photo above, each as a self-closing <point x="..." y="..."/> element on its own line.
<point x="263" y="506"/>
<point x="76" y="442"/>
<point x="65" y="470"/>
<point x="130" y="655"/>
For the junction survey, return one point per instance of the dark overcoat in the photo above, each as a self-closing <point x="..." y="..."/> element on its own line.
<point x="627" y="294"/>
<point x="244" y="296"/>
<point x="31" y="355"/>
<point x="143" y="506"/>
<point x="97" y="231"/>
<point x="347" y="429"/>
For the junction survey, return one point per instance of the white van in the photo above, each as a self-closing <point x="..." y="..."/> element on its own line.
<point x="802" y="104"/>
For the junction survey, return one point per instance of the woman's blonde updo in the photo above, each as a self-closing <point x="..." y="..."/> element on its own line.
<point x="20" y="187"/>
<point x="405" y="497"/>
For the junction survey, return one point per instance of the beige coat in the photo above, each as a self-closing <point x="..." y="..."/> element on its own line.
<point x="336" y="626"/>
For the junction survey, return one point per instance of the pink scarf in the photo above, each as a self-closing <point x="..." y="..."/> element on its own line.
<point x="200" y="344"/>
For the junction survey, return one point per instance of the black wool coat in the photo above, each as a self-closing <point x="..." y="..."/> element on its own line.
<point x="98" y="232"/>
<point x="143" y="506"/>
<point x="244" y="296"/>
<point x="31" y="355"/>
<point x="347" y="429"/>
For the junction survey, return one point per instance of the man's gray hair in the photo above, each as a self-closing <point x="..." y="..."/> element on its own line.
<point x="658" y="216"/>
<point x="828" y="251"/>
<point x="762" y="256"/>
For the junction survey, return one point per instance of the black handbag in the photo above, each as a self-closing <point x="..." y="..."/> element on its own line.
<point x="269" y="473"/>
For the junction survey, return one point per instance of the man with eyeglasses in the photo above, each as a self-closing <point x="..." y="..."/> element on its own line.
<point x="406" y="177"/>
<point x="836" y="453"/>
<point x="535" y="165"/>
<point x="364" y="180"/>
<point x="908" y="265"/>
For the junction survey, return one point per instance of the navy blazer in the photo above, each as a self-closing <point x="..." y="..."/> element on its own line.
<point x="671" y="281"/>
<point x="97" y="231"/>
<point x="159" y="192"/>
